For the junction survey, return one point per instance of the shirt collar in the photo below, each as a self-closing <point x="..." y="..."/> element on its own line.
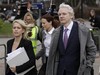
<point x="69" y="27"/>
<point x="50" y="32"/>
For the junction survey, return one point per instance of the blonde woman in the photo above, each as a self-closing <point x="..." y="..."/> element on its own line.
<point x="32" y="29"/>
<point x="18" y="41"/>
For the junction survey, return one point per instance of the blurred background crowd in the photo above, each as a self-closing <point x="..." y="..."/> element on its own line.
<point x="85" y="10"/>
<point x="9" y="9"/>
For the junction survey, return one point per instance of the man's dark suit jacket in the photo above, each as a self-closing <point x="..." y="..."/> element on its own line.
<point x="29" y="50"/>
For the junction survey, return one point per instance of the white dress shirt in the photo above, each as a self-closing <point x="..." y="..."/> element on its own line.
<point x="47" y="41"/>
<point x="69" y="27"/>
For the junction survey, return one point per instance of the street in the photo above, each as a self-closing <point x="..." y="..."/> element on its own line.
<point x="2" y="52"/>
<point x="2" y="69"/>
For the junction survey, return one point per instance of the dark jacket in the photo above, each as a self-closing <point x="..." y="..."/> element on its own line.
<point x="69" y="54"/>
<point x="29" y="50"/>
<point x="95" y="21"/>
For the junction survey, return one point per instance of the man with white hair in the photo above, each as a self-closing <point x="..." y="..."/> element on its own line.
<point x="72" y="50"/>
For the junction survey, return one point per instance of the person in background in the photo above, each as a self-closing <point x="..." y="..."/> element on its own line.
<point x="49" y="25"/>
<point x="72" y="49"/>
<point x="94" y="19"/>
<point x="32" y="29"/>
<point x="80" y="21"/>
<point x="57" y="22"/>
<point x="18" y="15"/>
<point x="18" y="41"/>
<point x="29" y="6"/>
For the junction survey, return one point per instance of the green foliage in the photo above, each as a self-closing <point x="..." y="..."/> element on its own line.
<point x="6" y="29"/>
<point x="96" y="32"/>
<point x="1" y="23"/>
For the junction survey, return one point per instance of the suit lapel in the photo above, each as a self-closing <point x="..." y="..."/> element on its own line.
<point x="61" y="38"/>
<point x="73" y="31"/>
<point x="10" y="46"/>
<point x="54" y="41"/>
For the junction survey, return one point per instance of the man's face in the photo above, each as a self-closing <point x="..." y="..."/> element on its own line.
<point x="64" y="16"/>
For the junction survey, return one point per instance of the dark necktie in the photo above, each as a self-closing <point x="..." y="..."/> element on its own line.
<point x="65" y="39"/>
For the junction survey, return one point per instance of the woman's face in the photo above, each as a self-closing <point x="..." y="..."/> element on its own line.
<point x="92" y="13"/>
<point x="28" y="19"/>
<point x="45" y="24"/>
<point x="17" y="30"/>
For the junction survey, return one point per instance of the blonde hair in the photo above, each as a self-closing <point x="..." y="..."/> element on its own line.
<point x="22" y="23"/>
<point x="68" y="7"/>
<point x="29" y="14"/>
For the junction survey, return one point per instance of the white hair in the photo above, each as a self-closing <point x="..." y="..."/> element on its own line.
<point x="68" y="7"/>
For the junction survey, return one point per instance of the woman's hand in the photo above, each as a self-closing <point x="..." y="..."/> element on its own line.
<point x="13" y="69"/>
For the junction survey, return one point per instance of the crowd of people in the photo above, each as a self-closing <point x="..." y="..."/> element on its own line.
<point x="67" y="46"/>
